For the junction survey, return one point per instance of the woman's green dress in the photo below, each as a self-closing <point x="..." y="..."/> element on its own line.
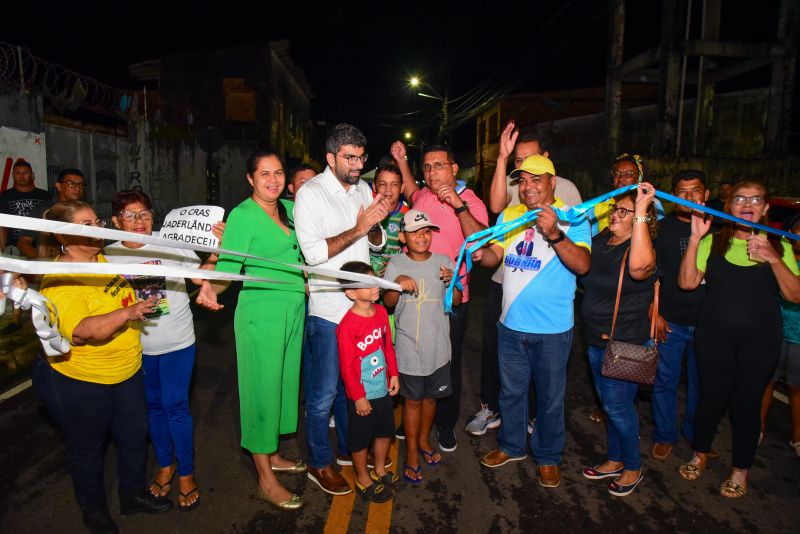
<point x="268" y="324"/>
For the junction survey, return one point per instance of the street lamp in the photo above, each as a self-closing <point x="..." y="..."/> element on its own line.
<point x="416" y="82"/>
<point x="408" y="135"/>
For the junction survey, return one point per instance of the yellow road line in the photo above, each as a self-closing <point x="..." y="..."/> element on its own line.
<point x="379" y="518"/>
<point x="342" y="506"/>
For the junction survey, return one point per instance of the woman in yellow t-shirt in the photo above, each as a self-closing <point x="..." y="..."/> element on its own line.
<point x="97" y="388"/>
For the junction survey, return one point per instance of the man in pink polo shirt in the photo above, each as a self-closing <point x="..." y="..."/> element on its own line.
<point x="458" y="212"/>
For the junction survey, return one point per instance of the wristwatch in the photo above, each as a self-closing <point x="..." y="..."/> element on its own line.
<point x="464" y="207"/>
<point x="641" y="218"/>
<point x="559" y="239"/>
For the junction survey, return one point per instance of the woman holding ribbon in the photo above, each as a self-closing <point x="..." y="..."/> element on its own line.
<point x="268" y="323"/>
<point x="97" y="387"/>
<point x="738" y="336"/>
<point x="168" y="345"/>
<point x="628" y="239"/>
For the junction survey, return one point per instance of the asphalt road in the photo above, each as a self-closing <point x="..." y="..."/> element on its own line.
<point x="458" y="494"/>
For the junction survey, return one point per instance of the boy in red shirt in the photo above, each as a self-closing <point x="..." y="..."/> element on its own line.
<point x="369" y="372"/>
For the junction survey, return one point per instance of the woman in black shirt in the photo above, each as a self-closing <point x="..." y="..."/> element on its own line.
<point x="632" y="226"/>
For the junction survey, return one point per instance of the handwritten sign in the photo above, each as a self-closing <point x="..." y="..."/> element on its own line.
<point x="192" y="225"/>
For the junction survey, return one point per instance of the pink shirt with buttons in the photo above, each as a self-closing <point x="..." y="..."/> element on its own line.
<point x="449" y="238"/>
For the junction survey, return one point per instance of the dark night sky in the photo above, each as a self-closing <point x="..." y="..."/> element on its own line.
<point x="357" y="56"/>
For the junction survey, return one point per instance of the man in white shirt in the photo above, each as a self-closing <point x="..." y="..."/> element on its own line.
<point x="333" y="214"/>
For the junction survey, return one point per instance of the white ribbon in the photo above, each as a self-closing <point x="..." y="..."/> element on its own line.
<point x="28" y="299"/>
<point x="56" y="227"/>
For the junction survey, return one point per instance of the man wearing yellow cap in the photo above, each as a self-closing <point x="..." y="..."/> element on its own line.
<point x="536" y="324"/>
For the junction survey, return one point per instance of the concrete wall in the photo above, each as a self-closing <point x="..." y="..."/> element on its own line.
<point x="21" y="111"/>
<point x="734" y="147"/>
<point x="172" y="173"/>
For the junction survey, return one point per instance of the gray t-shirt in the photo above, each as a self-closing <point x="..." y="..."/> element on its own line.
<point x="422" y="328"/>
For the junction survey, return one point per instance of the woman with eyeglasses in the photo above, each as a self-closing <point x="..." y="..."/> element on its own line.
<point x="629" y="238"/>
<point x="738" y="335"/>
<point x="96" y="389"/>
<point x="168" y="346"/>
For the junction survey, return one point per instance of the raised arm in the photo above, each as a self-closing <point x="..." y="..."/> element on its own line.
<point x="398" y="150"/>
<point x="689" y="276"/>
<point x="498" y="190"/>
<point x="642" y="260"/>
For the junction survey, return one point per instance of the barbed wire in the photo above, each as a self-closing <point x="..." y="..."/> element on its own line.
<point x="21" y="69"/>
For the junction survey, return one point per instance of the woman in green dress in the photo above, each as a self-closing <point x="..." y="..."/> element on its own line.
<point x="268" y="322"/>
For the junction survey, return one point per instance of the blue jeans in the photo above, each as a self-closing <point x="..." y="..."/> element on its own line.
<point x="166" y="385"/>
<point x="543" y="356"/>
<point x="665" y="390"/>
<point x="324" y="391"/>
<point x="622" y="426"/>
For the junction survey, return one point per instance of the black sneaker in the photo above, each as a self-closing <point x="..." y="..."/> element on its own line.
<point x="375" y="492"/>
<point x="400" y="432"/>
<point x="447" y="440"/>
<point x="98" y="521"/>
<point x="145" y="502"/>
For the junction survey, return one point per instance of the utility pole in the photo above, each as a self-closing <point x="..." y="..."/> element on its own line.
<point x="444" y="134"/>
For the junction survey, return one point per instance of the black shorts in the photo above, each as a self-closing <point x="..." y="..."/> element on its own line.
<point x="362" y="429"/>
<point x="433" y="386"/>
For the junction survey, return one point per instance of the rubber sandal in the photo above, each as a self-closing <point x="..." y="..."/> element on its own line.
<point x="736" y="490"/>
<point x="389" y="479"/>
<point x="375" y="492"/>
<point x="597" y="416"/>
<point x="429" y="454"/>
<point x="192" y="506"/>
<point x="167" y="485"/>
<point x="416" y="473"/>
<point x="691" y="472"/>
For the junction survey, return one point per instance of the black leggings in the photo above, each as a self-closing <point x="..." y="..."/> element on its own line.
<point x="88" y="413"/>
<point x="733" y="370"/>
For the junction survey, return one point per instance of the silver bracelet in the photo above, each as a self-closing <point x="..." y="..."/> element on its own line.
<point x="641" y="218"/>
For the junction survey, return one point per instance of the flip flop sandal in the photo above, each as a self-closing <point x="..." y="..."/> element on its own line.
<point x="735" y="490"/>
<point x="597" y="416"/>
<point x="416" y="474"/>
<point x="167" y="485"/>
<point x="690" y="472"/>
<point x="429" y="454"/>
<point x="188" y="507"/>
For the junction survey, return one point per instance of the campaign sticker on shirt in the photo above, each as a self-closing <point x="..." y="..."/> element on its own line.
<point x="192" y="224"/>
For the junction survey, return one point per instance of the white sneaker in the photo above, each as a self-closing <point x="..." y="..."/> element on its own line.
<point x="484" y="420"/>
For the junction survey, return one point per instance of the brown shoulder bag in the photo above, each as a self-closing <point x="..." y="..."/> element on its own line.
<point x="626" y="361"/>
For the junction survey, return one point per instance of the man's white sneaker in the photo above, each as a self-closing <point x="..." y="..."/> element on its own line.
<point x="484" y="420"/>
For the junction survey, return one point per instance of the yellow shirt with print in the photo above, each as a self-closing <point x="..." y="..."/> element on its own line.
<point x="78" y="296"/>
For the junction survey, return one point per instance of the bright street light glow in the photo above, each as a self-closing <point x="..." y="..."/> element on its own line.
<point x="414" y="81"/>
<point x="407" y="135"/>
